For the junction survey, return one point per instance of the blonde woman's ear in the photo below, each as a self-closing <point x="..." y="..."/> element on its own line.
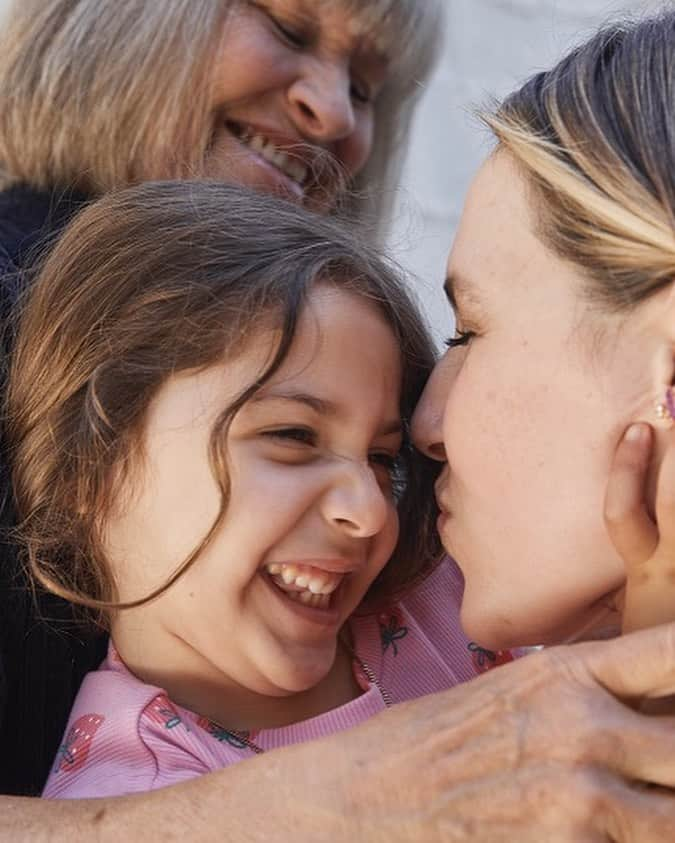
<point x="662" y="409"/>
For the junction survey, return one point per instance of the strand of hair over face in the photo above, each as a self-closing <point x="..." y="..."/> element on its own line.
<point x="411" y="32"/>
<point x="149" y="282"/>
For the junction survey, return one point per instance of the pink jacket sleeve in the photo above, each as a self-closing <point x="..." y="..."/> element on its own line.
<point x="111" y="746"/>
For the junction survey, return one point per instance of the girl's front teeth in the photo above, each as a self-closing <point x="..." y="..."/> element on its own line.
<point x="304" y="580"/>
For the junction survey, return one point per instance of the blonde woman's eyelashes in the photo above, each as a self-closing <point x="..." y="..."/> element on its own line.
<point x="460" y="338"/>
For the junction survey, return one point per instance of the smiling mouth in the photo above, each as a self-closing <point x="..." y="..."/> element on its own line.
<point x="287" y="163"/>
<point x="306" y="584"/>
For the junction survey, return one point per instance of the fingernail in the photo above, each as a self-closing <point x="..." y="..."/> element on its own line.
<point x="635" y="433"/>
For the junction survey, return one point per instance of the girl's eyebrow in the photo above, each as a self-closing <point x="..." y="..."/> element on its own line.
<point x="319" y="405"/>
<point x="322" y="406"/>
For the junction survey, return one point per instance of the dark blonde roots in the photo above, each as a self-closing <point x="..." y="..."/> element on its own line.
<point x="595" y="138"/>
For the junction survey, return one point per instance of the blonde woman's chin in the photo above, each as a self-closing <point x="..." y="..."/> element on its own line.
<point x="603" y="625"/>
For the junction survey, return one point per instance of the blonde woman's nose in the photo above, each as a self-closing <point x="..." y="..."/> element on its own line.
<point x="426" y="427"/>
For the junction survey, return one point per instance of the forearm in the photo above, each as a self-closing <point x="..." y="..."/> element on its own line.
<point x="542" y="749"/>
<point x="263" y="799"/>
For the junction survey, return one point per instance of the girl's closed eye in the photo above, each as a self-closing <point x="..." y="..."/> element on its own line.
<point x="390" y="472"/>
<point x="384" y="459"/>
<point x="291" y="436"/>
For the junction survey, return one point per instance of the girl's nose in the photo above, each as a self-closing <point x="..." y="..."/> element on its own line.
<point x="355" y="501"/>
<point x="427" y="422"/>
<point x="321" y="103"/>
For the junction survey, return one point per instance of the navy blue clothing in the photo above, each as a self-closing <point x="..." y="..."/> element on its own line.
<point x="43" y="653"/>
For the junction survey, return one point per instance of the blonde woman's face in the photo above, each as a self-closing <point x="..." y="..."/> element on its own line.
<point x="311" y="502"/>
<point x="527" y="413"/>
<point x="296" y="82"/>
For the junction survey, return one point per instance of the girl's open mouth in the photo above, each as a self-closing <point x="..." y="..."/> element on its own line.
<point x="305" y="585"/>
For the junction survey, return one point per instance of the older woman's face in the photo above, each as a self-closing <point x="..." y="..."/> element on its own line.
<point x="296" y="79"/>
<point x="527" y="412"/>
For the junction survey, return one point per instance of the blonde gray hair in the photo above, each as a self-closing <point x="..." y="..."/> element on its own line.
<point x="99" y="94"/>
<point x="595" y="138"/>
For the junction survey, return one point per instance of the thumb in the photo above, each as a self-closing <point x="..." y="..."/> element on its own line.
<point x="632" y="531"/>
<point x="640" y="664"/>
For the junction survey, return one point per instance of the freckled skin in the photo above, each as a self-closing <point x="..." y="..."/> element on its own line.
<point x="526" y="413"/>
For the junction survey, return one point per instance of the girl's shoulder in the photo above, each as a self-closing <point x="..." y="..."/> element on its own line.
<point x="101" y="744"/>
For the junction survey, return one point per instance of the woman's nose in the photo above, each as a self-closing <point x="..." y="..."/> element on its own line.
<point x="355" y="501"/>
<point x="321" y="103"/>
<point x="426" y="427"/>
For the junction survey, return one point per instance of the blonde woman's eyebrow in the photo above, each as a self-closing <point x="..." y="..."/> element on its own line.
<point x="458" y="288"/>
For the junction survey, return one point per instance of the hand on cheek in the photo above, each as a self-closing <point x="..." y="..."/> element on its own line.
<point x="647" y="545"/>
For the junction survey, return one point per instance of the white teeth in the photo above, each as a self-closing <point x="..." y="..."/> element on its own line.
<point x="291" y="167"/>
<point x="256" y="143"/>
<point x="320" y="585"/>
<point x="316" y="601"/>
<point x="304" y="582"/>
<point x="320" y="601"/>
<point x="289" y="574"/>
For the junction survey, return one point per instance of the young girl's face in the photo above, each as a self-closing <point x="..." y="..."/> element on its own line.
<point x="528" y="412"/>
<point x="309" y="467"/>
<point x="294" y="78"/>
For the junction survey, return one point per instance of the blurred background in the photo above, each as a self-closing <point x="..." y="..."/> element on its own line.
<point x="490" y="46"/>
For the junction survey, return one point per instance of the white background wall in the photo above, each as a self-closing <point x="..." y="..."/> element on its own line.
<point x="491" y="45"/>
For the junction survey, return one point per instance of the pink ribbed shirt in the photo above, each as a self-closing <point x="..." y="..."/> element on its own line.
<point x="124" y="736"/>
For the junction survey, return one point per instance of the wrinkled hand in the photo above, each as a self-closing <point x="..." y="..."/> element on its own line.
<point x="538" y="751"/>
<point x="549" y="749"/>
<point x="646" y="544"/>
